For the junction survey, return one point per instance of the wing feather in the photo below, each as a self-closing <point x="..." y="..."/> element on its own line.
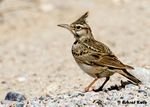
<point x="99" y="55"/>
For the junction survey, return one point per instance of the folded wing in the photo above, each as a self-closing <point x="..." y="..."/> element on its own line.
<point x="95" y="59"/>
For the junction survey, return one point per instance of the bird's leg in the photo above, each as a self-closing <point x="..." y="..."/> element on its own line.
<point x="89" y="86"/>
<point x="101" y="87"/>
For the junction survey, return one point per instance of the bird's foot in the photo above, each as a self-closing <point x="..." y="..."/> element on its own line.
<point x="97" y="90"/>
<point x="88" y="89"/>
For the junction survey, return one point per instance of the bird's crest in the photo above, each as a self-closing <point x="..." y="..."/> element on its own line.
<point x="82" y="19"/>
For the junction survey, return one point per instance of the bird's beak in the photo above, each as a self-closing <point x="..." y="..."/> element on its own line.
<point x="65" y="26"/>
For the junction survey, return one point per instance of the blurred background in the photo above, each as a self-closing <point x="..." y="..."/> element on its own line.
<point x="35" y="54"/>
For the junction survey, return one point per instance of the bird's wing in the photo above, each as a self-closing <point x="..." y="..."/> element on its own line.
<point x="100" y="55"/>
<point x="97" y="46"/>
<point x="95" y="59"/>
<point x="111" y="61"/>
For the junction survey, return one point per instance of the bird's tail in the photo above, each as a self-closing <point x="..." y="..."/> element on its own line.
<point x="125" y="73"/>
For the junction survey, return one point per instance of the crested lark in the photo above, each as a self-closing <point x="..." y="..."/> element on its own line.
<point x="94" y="57"/>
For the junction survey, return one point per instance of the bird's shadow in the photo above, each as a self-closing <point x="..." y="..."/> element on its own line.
<point x="119" y="87"/>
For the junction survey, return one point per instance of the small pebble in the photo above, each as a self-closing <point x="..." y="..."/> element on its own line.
<point x="3" y="82"/>
<point x="19" y="105"/>
<point x="21" y="79"/>
<point x="14" y="96"/>
<point x="143" y="91"/>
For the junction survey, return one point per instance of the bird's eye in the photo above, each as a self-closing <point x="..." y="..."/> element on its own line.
<point x="78" y="27"/>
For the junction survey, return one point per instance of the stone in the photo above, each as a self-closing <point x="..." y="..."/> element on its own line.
<point x="14" y="96"/>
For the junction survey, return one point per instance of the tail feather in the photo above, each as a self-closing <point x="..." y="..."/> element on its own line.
<point x="130" y="77"/>
<point x="129" y="67"/>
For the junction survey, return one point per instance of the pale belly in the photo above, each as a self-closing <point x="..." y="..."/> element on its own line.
<point x="96" y="71"/>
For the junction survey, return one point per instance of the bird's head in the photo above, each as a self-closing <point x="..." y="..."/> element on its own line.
<point x="79" y="28"/>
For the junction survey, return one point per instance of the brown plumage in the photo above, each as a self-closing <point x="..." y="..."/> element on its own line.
<point x="94" y="57"/>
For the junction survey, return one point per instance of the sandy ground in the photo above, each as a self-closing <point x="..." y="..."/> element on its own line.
<point x="35" y="54"/>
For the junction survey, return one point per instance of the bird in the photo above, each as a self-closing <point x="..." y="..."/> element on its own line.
<point x="94" y="57"/>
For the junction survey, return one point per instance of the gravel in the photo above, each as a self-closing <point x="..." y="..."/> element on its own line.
<point x="122" y="95"/>
<point x="131" y="96"/>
